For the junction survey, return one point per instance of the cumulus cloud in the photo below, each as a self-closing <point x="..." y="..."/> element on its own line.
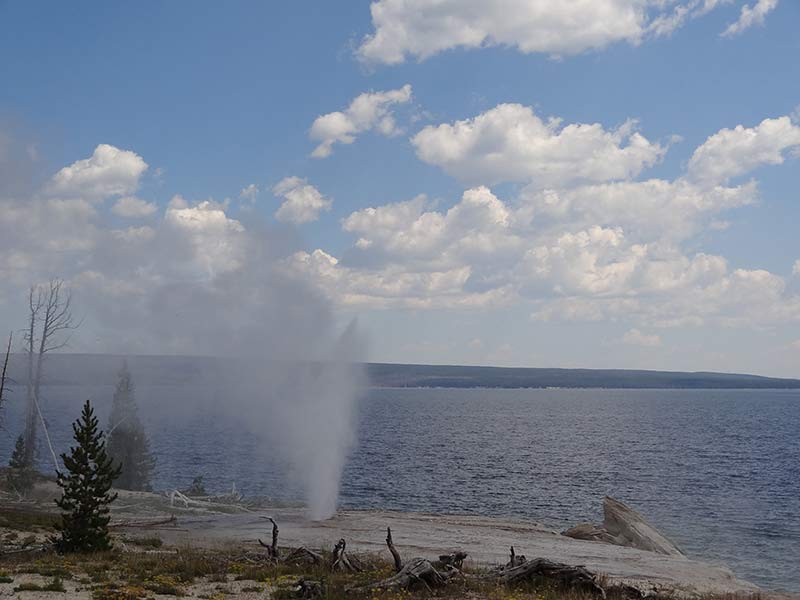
<point x="371" y="110"/>
<point x="423" y="28"/>
<point x="796" y="267"/>
<point x="750" y="15"/>
<point x="634" y="337"/>
<point x="302" y="202"/>
<point x="580" y="250"/>
<point x="511" y="143"/>
<point x="730" y="153"/>
<point x="132" y="207"/>
<point x="108" y="172"/>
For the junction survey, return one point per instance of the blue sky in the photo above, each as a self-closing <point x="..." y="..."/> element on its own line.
<point x="215" y="97"/>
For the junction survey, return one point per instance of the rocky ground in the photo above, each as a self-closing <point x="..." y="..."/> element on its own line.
<point x="226" y="530"/>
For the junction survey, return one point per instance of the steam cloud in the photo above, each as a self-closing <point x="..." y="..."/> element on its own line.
<point x="195" y="281"/>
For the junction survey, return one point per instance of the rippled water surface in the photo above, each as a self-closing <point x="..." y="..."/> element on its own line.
<point x="718" y="471"/>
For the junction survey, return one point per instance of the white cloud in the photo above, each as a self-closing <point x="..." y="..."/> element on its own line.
<point x="302" y="201"/>
<point x="511" y="143"/>
<point x="577" y="251"/>
<point x="249" y="193"/>
<point x="215" y="240"/>
<point x="796" y="267"/>
<point x="108" y="172"/>
<point x="751" y="15"/>
<point x="132" y="207"/>
<point x="371" y="110"/>
<point x="730" y="153"/>
<point x="634" y="337"/>
<point x="422" y="28"/>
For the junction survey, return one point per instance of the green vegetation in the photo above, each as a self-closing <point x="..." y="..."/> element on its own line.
<point x="86" y="489"/>
<point x="128" y="445"/>
<point x="20" y="474"/>
<point x="54" y="586"/>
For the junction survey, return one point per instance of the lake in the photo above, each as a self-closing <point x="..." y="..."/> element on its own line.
<point x="716" y="470"/>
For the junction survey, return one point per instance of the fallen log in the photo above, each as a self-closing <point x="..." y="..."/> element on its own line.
<point x="307" y="590"/>
<point x="417" y="573"/>
<point x="576" y="577"/>
<point x="454" y="559"/>
<point x="302" y="556"/>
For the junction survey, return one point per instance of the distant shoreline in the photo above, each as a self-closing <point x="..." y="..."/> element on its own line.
<point x="80" y="369"/>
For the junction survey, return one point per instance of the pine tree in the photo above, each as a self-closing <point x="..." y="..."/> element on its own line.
<point x="127" y="442"/>
<point x="20" y="475"/>
<point x="86" y="489"/>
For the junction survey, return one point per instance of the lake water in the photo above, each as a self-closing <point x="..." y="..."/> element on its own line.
<point x="717" y="471"/>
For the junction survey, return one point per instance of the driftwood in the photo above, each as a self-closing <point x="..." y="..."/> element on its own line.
<point x="398" y="563"/>
<point x="307" y="590"/>
<point x="417" y="573"/>
<point x="516" y="559"/>
<point x="340" y="560"/>
<point x="298" y="556"/>
<point x="272" y="549"/>
<point x="302" y="556"/>
<point x="455" y="559"/>
<point x="541" y="568"/>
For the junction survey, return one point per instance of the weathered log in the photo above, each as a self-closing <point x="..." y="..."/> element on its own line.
<point x="398" y="563"/>
<point x="307" y="590"/>
<point x="516" y="559"/>
<point x="340" y="560"/>
<point x="302" y="556"/>
<point x="454" y="559"/>
<point x="417" y="573"/>
<point x="567" y="575"/>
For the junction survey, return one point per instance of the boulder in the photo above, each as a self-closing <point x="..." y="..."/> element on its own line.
<point x="623" y="526"/>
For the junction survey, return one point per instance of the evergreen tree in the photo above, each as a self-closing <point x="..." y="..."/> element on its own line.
<point x="21" y="475"/>
<point x="86" y="489"/>
<point x="127" y="442"/>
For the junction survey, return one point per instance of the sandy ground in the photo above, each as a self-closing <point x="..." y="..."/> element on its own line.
<point x="487" y="541"/>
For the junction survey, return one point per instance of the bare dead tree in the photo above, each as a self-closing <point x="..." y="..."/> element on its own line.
<point x="35" y="304"/>
<point x="50" y="305"/>
<point x="398" y="562"/>
<point x="3" y="377"/>
<point x="272" y="549"/>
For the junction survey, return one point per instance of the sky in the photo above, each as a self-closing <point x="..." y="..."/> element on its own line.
<point x="593" y="183"/>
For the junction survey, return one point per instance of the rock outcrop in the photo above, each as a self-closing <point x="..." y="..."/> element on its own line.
<point x="623" y="526"/>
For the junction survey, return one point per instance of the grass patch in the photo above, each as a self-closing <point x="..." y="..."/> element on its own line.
<point x="54" y="586"/>
<point x="162" y="584"/>
<point x="25" y="519"/>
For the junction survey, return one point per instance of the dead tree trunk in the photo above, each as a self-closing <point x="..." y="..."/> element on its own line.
<point x="340" y="560"/>
<point x="272" y="550"/>
<point x="398" y="563"/>
<point x="5" y="371"/>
